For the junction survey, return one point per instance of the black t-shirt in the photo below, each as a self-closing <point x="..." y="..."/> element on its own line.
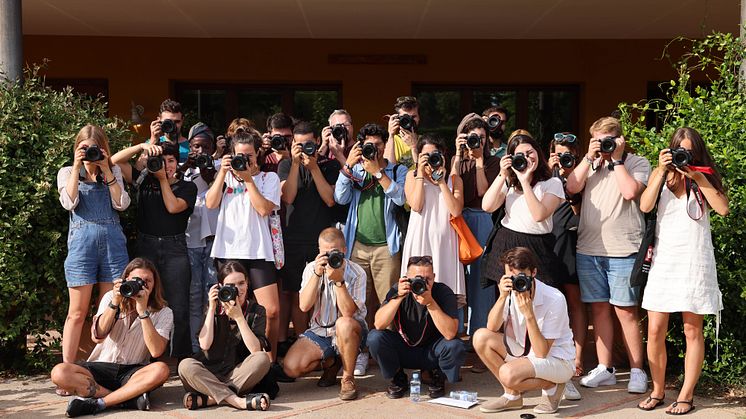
<point x="310" y="214"/>
<point x="152" y="216"/>
<point x="413" y="319"/>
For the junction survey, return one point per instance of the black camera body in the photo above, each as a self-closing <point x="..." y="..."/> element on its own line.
<point x="169" y="128"/>
<point x="239" y="163"/>
<point x="681" y="157"/>
<point x="336" y="258"/>
<point x="339" y="132"/>
<point x="406" y="122"/>
<point x="130" y="289"/>
<point x="418" y="284"/>
<point x="608" y="144"/>
<point x="154" y="163"/>
<point x="435" y="159"/>
<point x="370" y="151"/>
<point x="494" y="122"/>
<point x="522" y="282"/>
<point x="93" y="153"/>
<point x="473" y="141"/>
<point x="203" y="161"/>
<point x="227" y="293"/>
<point x="519" y="162"/>
<point x="567" y="160"/>
<point x="277" y="142"/>
<point x="309" y="148"/>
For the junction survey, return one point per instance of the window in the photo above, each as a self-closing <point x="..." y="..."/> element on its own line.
<point x="218" y="104"/>
<point x="542" y="110"/>
<point x="92" y="88"/>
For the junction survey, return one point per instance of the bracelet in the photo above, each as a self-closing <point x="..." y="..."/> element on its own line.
<point x="111" y="182"/>
<point x="419" y="178"/>
<point x="113" y="307"/>
<point x="589" y="161"/>
<point x="317" y="275"/>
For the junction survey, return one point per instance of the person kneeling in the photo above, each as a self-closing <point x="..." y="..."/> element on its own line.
<point x="132" y="325"/>
<point x="546" y="356"/>
<point x="425" y="315"/>
<point x="334" y="287"/>
<point x="233" y="366"/>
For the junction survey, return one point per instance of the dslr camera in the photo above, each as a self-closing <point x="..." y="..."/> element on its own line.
<point x="493" y="123"/>
<point x="418" y="284"/>
<point x="473" y="141"/>
<point x="227" y="293"/>
<point x="309" y="148"/>
<point x="203" y="161"/>
<point x="339" y="132"/>
<point x="93" y="153"/>
<point x="435" y="160"/>
<point x="370" y="151"/>
<point x="522" y="282"/>
<point x="608" y="144"/>
<point x="336" y="258"/>
<point x="129" y="289"/>
<point x="277" y="142"/>
<point x="169" y="128"/>
<point x="567" y="160"/>
<point x="680" y="157"/>
<point x="154" y="163"/>
<point x="239" y="162"/>
<point x="406" y="122"/>
<point x="519" y="162"/>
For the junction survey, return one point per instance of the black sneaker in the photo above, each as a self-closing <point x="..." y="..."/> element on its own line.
<point x="329" y="376"/>
<point x="80" y="406"/>
<point x="141" y="402"/>
<point x="399" y="386"/>
<point x="438" y="386"/>
<point x="280" y="375"/>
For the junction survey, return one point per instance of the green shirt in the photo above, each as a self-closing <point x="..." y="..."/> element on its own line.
<point x="371" y="225"/>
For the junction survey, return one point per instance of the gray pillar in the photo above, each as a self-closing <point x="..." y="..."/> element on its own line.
<point x="11" y="40"/>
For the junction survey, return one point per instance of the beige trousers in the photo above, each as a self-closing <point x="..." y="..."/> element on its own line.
<point x="196" y="377"/>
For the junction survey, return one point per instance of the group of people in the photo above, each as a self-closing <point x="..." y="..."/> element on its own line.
<point x="348" y="235"/>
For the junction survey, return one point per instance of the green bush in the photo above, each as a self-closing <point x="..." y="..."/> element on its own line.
<point x="717" y="109"/>
<point x="37" y="132"/>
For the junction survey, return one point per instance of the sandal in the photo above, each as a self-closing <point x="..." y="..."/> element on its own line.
<point x="254" y="401"/>
<point x="677" y="402"/>
<point x="645" y="406"/>
<point x="194" y="400"/>
<point x="62" y="392"/>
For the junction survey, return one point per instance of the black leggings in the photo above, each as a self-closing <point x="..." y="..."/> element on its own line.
<point x="261" y="272"/>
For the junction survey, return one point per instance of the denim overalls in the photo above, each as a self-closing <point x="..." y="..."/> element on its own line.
<point x="97" y="248"/>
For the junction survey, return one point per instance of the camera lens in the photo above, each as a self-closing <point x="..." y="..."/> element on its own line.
<point x="494" y="123"/>
<point x="522" y="282"/>
<point x="567" y="160"/>
<point x="154" y="163"/>
<point x="473" y="141"/>
<point x="519" y="162"/>
<point x="339" y="132"/>
<point x="418" y="285"/>
<point x="435" y="159"/>
<point x="370" y="151"/>
<point x="203" y="161"/>
<point x="309" y="148"/>
<point x="227" y="293"/>
<point x="277" y="142"/>
<point x="130" y="288"/>
<point x="336" y="259"/>
<point x="681" y="157"/>
<point x="239" y="163"/>
<point x="407" y="122"/>
<point x="608" y="145"/>
<point x="93" y="153"/>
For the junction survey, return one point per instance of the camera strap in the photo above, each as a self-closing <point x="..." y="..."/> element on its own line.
<point x="526" y="340"/>
<point x="404" y="335"/>
<point x="322" y="290"/>
<point x="692" y="187"/>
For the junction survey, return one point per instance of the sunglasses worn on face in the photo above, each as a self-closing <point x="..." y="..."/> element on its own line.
<point x="416" y="260"/>
<point x="565" y="138"/>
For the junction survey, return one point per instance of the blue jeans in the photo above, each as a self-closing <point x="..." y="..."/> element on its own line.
<point x="480" y="300"/>
<point x="606" y="279"/>
<point x="204" y="276"/>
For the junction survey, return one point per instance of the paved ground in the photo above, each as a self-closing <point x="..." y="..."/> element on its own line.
<point x="35" y="398"/>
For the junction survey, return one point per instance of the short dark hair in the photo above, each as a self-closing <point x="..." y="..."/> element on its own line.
<point x="279" y="121"/>
<point x="430" y="139"/>
<point x="172" y="106"/>
<point x="498" y="108"/>
<point x="303" y="128"/>
<point x="372" y="130"/>
<point x="170" y="149"/>
<point x="246" y="137"/>
<point x="229" y="268"/>
<point x="406" y="103"/>
<point x="520" y="258"/>
<point x="475" y="123"/>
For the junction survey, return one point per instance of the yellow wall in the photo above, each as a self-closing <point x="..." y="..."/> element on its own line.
<point x="144" y="69"/>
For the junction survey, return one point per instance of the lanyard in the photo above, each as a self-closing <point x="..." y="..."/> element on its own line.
<point x="404" y="335"/>
<point x="526" y="341"/>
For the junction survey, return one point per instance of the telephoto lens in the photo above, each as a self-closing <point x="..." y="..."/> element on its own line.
<point x="567" y="160"/>
<point x="370" y="151"/>
<point x="493" y="123"/>
<point x="277" y="142"/>
<point x="227" y="293"/>
<point x="418" y="284"/>
<point x="519" y="162"/>
<point x="309" y="148"/>
<point x="168" y="127"/>
<point x="239" y="163"/>
<point x="435" y="159"/>
<point x="681" y="157"/>
<point x="339" y="132"/>
<point x="407" y="122"/>
<point x="473" y="141"/>
<point x="522" y="282"/>
<point x="154" y="163"/>
<point x="129" y="289"/>
<point x="608" y="144"/>
<point x="336" y="258"/>
<point x="93" y="153"/>
<point x="203" y="161"/>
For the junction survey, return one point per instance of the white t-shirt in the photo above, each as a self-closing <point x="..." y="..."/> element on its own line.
<point x="517" y="215"/>
<point x="203" y="221"/>
<point x="241" y="232"/>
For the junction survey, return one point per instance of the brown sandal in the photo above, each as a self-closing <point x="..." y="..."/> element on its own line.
<point x="194" y="400"/>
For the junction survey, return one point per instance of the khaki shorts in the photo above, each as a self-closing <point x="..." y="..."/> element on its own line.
<point x="551" y="369"/>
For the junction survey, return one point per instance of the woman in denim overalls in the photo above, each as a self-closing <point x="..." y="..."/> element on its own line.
<point x="93" y="191"/>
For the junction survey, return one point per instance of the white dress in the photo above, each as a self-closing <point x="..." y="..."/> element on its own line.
<point x="682" y="274"/>
<point x="430" y="234"/>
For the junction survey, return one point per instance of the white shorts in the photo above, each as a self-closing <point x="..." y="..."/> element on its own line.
<point x="552" y="369"/>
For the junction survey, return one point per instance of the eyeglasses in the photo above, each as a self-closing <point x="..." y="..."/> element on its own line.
<point x="561" y="137"/>
<point x="420" y="260"/>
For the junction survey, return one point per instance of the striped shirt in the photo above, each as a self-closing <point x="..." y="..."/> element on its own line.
<point x="325" y="311"/>
<point x="125" y="344"/>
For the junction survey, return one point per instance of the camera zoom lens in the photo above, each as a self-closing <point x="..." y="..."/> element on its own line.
<point x="519" y="162"/>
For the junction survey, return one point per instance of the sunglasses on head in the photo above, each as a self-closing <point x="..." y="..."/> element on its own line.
<point x="561" y="137"/>
<point x="417" y="260"/>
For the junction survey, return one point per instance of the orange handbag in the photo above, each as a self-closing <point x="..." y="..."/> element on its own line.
<point x="469" y="249"/>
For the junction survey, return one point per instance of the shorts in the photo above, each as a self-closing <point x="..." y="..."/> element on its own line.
<point x="552" y="369"/>
<point x="328" y="349"/>
<point x="296" y="259"/>
<point x="606" y="279"/>
<point x="261" y="272"/>
<point x="109" y="375"/>
<point x="96" y="252"/>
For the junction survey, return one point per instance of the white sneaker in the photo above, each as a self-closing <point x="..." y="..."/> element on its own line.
<point x="571" y="393"/>
<point x="599" y="376"/>
<point x="638" y="381"/>
<point x="361" y="364"/>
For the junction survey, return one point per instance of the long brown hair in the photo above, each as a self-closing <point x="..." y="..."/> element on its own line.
<point x="95" y="133"/>
<point x="155" y="300"/>
<point x="542" y="172"/>
<point x="700" y="155"/>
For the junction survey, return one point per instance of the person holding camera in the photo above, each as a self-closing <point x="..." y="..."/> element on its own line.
<point x="402" y="131"/>
<point x="167" y="127"/>
<point x="611" y="226"/>
<point x="131" y="327"/>
<point x="276" y="142"/>
<point x="527" y="344"/>
<point x="333" y="289"/>
<point x="435" y="198"/>
<point x="92" y="190"/>
<point x="496" y="118"/>
<point x="246" y="197"/>
<point x="232" y="366"/>
<point x="683" y="274"/>
<point x="416" y="327"/>
<point x="165" y="204"/>
<point x="530" y="195"/>
<point x="373" y="187"/>
<point x="337" y="139"/>
<point x="222" y="146"/>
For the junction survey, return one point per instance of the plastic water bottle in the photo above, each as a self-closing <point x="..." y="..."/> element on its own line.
<point x="414" y="387"/>
<point x="466" y="396"/>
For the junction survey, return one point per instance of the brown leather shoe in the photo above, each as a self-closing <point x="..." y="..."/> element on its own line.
<point x="329" y="376"/>
<point x="501" y="404"/>
<point x="348" y="391"/>
<point x="550" y="404"/>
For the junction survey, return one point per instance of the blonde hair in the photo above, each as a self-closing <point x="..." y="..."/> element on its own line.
<point x="95" y="133"/>
<point x="519" y="132"/>
<point x="607" y="124"/>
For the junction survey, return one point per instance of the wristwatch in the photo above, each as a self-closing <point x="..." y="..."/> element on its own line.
<point x="615" y="163"/>
<point x="378" y="175"/>
<point x="144" y="315"/>
<point x="339" y="284"/>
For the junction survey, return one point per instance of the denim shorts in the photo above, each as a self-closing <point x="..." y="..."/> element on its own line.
<point x="96" y="252"/>
<point x="325" y="342"/>
<point x="606" y="279"/>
